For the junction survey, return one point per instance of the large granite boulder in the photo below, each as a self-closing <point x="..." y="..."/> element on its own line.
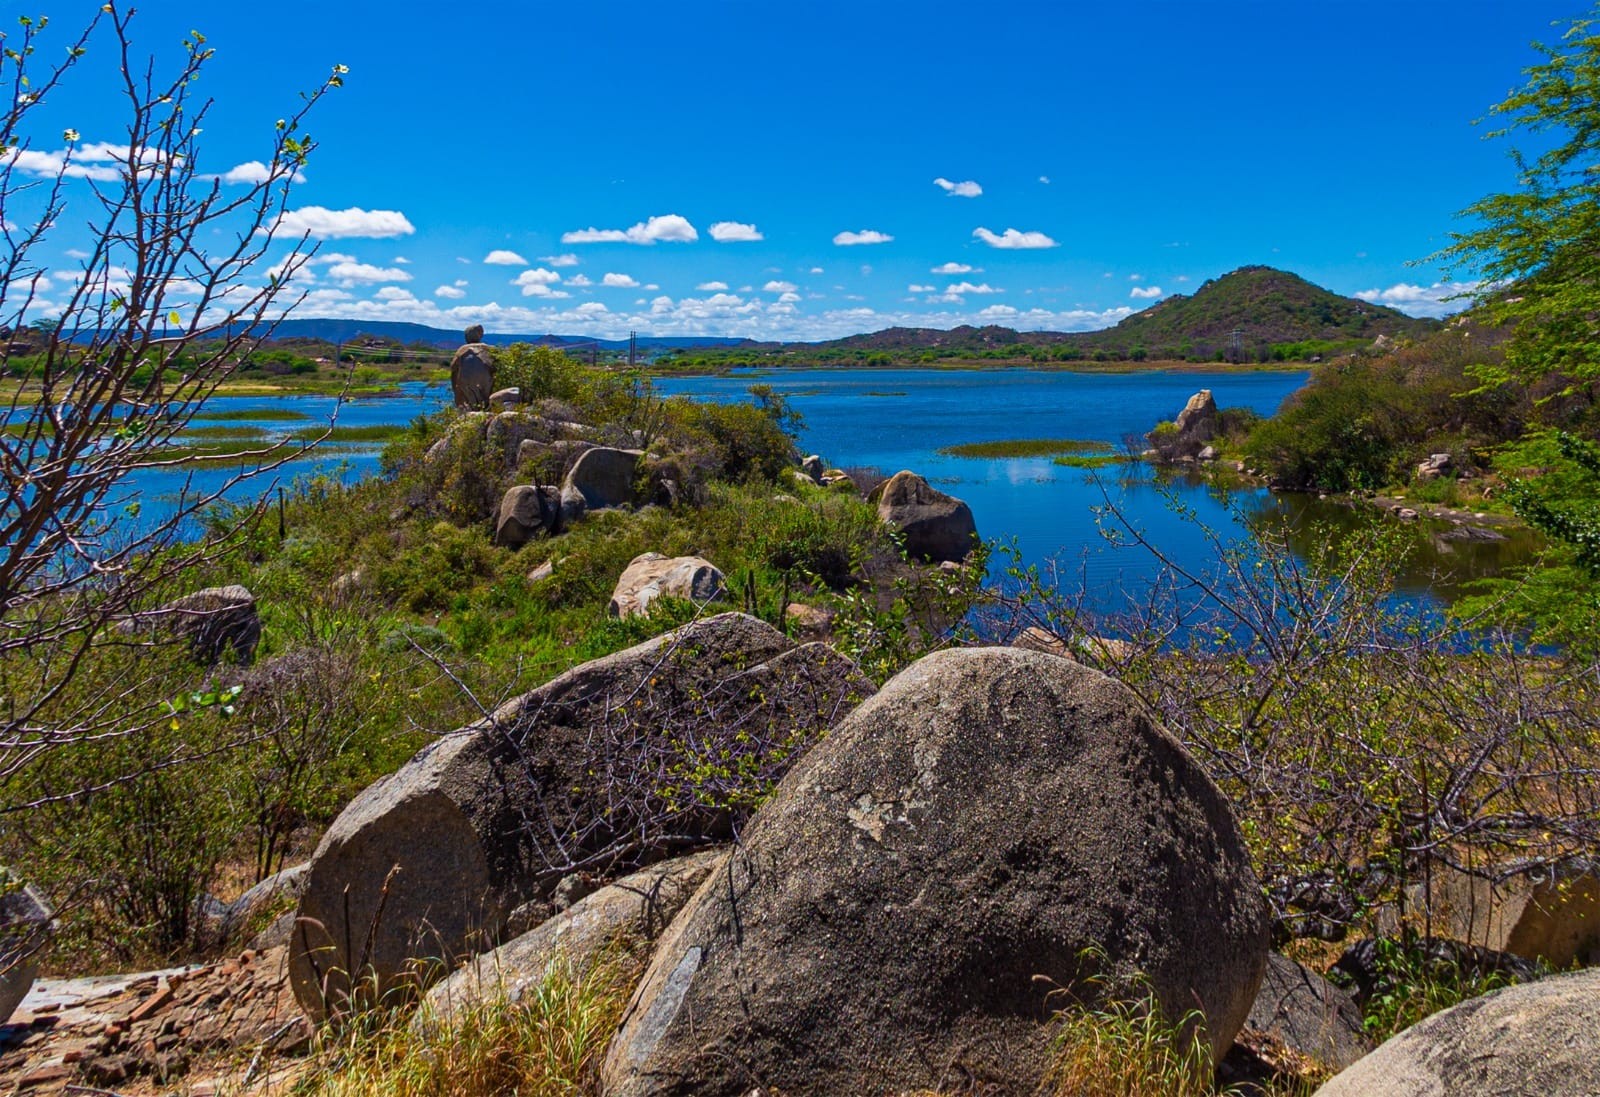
<point x="472" y="376"/>
<point x="26" y="924"/>
<point x="1304" y="1012"/>
<point x="936" y="526"/>
<point x="1197" y="424"/>
<point x="625" y="916"/>
<point x="217" y="623"/>
<point x="988" y="830"/>
<point x="1538" y="1038"/>
<point x="650" y="575"/>
<point x="616" y="764"/>
<point x="525" y="512"/>
<point x="606" y="477"/>
<point x="1548" y="912"/>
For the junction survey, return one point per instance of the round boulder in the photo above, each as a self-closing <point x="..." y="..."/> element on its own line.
<point x="472" y="376"/>
<point x="1539" y="1038"/>
<point x="525" y="512"/>
<point x="989" y="830"/>
<point x="606" y="477"/>
<point x="216" y="622"/>
<point x="650" y="575"/>
<point x="936" y="526"/>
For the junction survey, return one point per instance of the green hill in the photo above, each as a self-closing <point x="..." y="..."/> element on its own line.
<point x="1273" y="312"/>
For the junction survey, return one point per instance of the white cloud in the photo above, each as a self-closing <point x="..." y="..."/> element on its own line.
<point x="350" y="273"/>
<point x="536" y="282"/>
<point x="1145" y="292"/>
<point x="1136" y="278"/>
<point x="251" y="171"/>
<point x="50" y="164"/>
<point x="712" y="287"/>
<point x="1012" y="238"/>
<point x="998" y="313"/>
<point x="1422" y="300"/>
<point x="967" y="287"/>
<point x="914" y="288"/>
<point x="956" y="268"/>
<point x="668" y="228"/>
<point x="620" y="281"/>
<point x="580" y="280"/>
<point x="329" y="224"/>
<point x="461" y="282"/>
<point x="567" y="260"/>
<point x="394" y="293"/>
<point x="815" y="270"/>
<point x="1045" y="179"/>
<point x="732" y="232"/>
<point x="77" y="253"/>
<point x="865" y="236"/>
<point x="451" y="292"/>
<point x="788" y="298"/>
<point x="1183" y="277"/>
<point x="500" y="257"/>
<point x="968" y="189"/>
<point x="590" y="308"/>
<point x="779" y="287"/>
<point x="652" y="287"/>
<point x="402" y="260"/>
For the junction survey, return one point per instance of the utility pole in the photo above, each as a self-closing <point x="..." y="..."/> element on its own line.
<point x="1236" y="345"/>
<point x="633" y="348"/>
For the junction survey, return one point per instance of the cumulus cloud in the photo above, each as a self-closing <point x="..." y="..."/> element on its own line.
<point x="451" y="292"/>
<point x="779" y="287"/>
<point x="395" y="293"/>
<point x="956" y="268"/>
<point x="500" y="257"/>
<point x="733" y="232"/>
<point x="961" y="288"/>
<point x="580" y="280"/>
<point x="669" y="228"/>
<point x="1415" y="300"/>
<point x="350" y="273"/>
<point x="815" y="270"/>
<point x="567" y="260"/>
<point x="330" y="224"/>
<point x="914" y="288"/>
<point x="865" y="236"/>
<point x="712" y="287"/>
<point x="1145" y="292"/>
<point x="620" y="281"/>
<point x="1012" y="238"/>
<point x="1045" y="179"/>
<point x="251" y="171"/>
<point x="402" y="260"/>
<point x="968" y="189"/>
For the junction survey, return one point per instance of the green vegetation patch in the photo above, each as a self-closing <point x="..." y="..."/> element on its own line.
<point x="222" y="433"/>
<point x="376" y="432"/>
<point x="258" y="415"/>
<point x="1026" y="447"/>
<point x="1090" y="460"/>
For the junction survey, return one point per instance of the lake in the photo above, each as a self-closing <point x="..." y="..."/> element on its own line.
<point x="893" y="419"/>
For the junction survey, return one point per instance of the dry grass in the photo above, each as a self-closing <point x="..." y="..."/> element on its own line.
<point x="1127" y="1049"/>
<point x="550" y="1043"/>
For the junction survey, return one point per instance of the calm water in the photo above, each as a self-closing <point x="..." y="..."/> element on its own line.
<point x="898" y="419"/>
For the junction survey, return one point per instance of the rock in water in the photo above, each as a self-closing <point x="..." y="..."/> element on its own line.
<point x="472" y="376"/>
<point x="1538" y="1038"/>
<point x="600" y="770"/>
<point x="904" y="911"/>
<point x="650" y="575"/>
<point x="936" y="526"/>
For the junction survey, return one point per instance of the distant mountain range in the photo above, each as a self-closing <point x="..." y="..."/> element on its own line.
<point x="1264" y="306"/>
<point x="1245" y="313"/>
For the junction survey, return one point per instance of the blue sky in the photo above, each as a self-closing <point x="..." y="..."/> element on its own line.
<point x="813" y="170"/>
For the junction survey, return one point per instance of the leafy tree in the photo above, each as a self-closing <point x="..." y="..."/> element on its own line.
<point x="1543" y="239"/>
<point x="171" y="298"/>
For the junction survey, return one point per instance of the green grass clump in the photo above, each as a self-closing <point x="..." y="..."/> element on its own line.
<point x="1025" y="447"/>
<point x="550" y="1043"/>
<point x="377" y="432"/>
<point x="263" y="415"/>
<point x="1089" y="461"/>
<point x="222" y="433"/>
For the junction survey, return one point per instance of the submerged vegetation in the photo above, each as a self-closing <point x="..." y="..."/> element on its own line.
<point x="1025" y="447"/>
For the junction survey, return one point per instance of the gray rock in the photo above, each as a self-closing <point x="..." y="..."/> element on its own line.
<point x="1549" y="912"/>
<point x="279" y="888"/>
<point x="472" y="376"/>
<point x="606" y="477"/>
<point x="26" y="925"/>
<point x="474" y="334"/>
<point x="1538" y="1038"/>
<point x="562" y="449"/>
<point x="936" y="526"/>
<point x="506" y="397"/>
<point x="626" y="916"/>
<point x="216" y="622"/>
<point x="813" y="467"/>
<point x="929" y="876"/>
<point x="573" y="507"/>
<point x="525" y="512"/>
<point x="1305" y="1012"/>
<point x="507" y="432"/>
<point x="1197" y="422"/>
<point x="423" y="868"/>
<point x="650" y="575"/>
